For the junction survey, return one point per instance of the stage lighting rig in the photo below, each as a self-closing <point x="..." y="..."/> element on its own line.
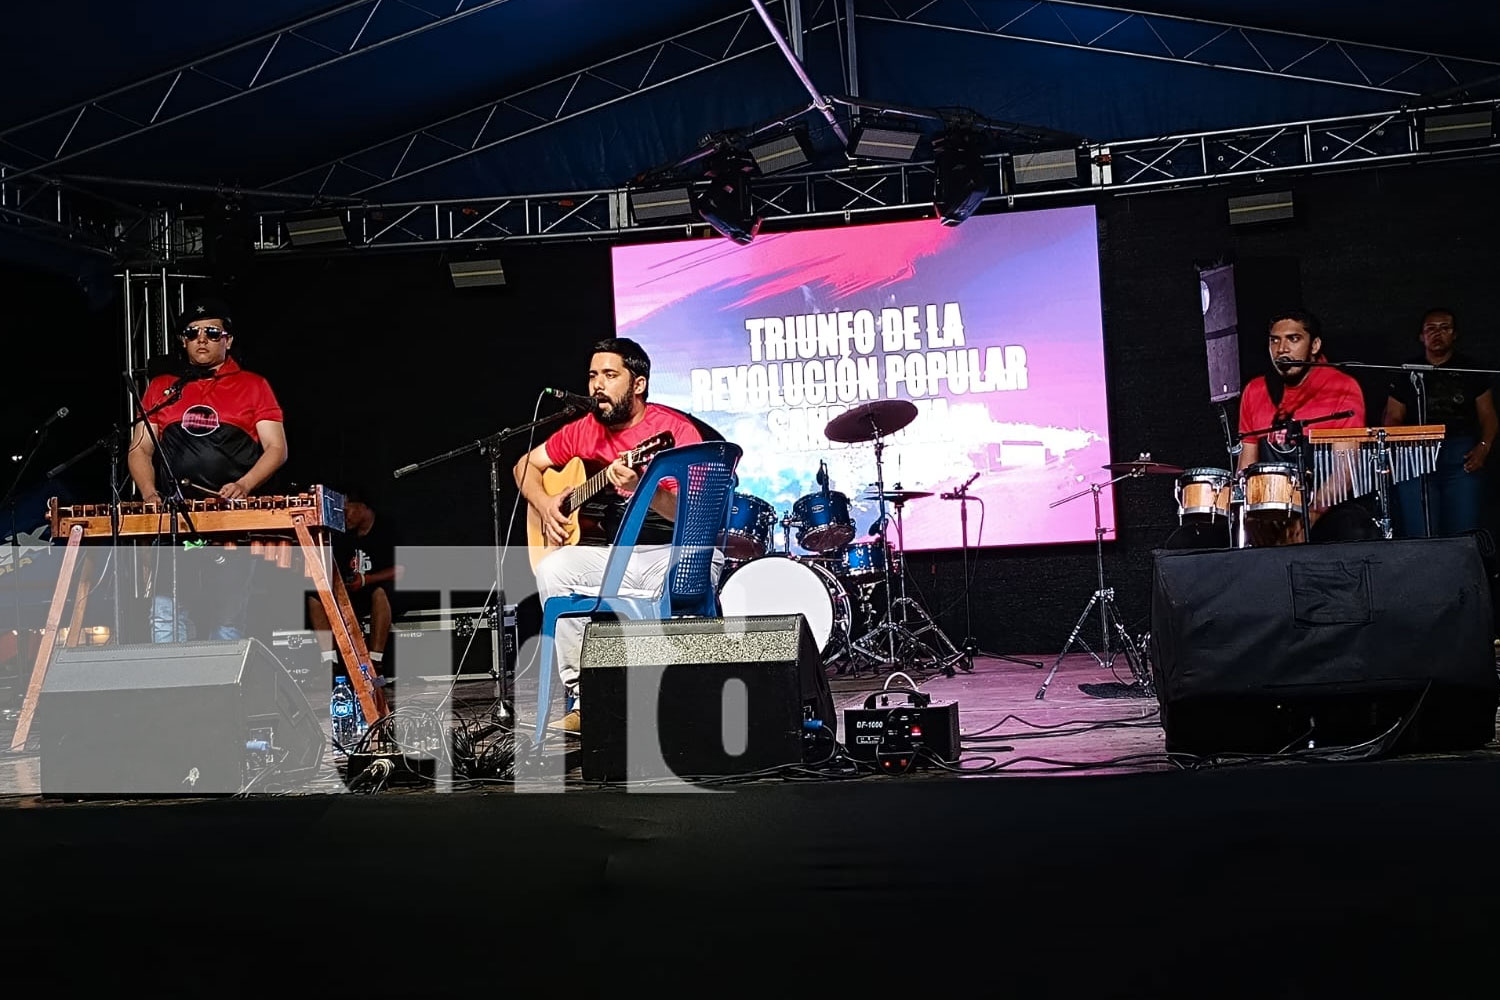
<point x="962" y="177"/>
<point x="723" y="199"/>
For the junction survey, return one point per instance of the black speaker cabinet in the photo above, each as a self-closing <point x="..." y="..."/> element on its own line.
<point x="695" y="697"/>
<point x="171" y="719"/>
<point x="1263" y="650"/>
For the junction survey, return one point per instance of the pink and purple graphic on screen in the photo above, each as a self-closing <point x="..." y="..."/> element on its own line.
<point x="991" y="329"/>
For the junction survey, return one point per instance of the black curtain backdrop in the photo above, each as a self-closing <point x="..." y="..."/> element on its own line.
<point x="379" y="361"/>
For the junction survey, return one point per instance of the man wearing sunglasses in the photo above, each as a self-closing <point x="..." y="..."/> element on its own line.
<point x="220" y="428"/>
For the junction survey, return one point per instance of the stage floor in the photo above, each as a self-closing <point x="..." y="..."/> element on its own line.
<point x="1138" y="879"/>
<point x="1006" y="730"/>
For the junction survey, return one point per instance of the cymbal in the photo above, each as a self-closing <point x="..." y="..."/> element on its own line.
<point x="1145" y="467"/>
<point x="895" y="496"/>
<point x="871" y="421"/>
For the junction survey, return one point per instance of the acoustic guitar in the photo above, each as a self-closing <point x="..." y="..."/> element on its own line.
<point x="573" y="479"/>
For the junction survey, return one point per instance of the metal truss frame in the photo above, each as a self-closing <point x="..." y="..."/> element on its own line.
<point x="311" y="44"/>
<point x="1188" y="160"/>
<point x="1196" y="42"/>
<point x="63" y="213"/>
<point x="535" y="108"/>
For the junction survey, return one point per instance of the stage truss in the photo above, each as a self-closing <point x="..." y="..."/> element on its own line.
<point x="896" y="190"/>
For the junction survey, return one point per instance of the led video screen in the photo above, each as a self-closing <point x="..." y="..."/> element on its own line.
<point x="983" y="340"/>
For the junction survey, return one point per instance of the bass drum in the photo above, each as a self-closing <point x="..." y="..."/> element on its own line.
<point x="782" y="585"/>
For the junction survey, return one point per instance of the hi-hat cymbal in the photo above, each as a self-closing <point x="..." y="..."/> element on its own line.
<point x="871" y="421"/>
<point x="1145" y="467"/>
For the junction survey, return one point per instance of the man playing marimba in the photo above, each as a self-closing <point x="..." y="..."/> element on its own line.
<point x="220" y="429"/>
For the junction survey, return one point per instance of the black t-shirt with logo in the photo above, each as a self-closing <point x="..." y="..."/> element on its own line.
<point x="1450" y="394"/>
<point x="367" y="553"/>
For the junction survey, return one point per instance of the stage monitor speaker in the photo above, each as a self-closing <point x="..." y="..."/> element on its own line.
<point x="1265" y="650"/>
<point x="171" y="719"/>
<point x="695" y="697"/>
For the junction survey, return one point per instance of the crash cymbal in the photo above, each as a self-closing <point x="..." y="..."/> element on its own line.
<point x="1145" y="466"/>
<point x="871" y="421"/>
<point x="895" y="496"/>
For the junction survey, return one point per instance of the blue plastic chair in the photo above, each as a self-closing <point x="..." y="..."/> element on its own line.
<point x="706" y="481"/>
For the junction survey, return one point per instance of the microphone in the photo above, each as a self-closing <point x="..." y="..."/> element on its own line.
<point x="587" y="404"/>
<point x="823" y="475"/>
<point x="62" y="411"/>
<point x="962" y="492"/>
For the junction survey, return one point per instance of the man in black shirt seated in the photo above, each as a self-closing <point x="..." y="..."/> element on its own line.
<point x="365" y="556"/>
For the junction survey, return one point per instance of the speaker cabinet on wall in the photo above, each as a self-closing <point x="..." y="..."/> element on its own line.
<point x="692" y="697"/>
<point x="171" y="719"/>
<point x="1263" y="650"/>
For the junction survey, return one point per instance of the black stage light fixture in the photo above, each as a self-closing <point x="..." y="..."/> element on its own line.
<point x="1049" y="167"/>
<point x="724" y="201"/>
<point x="1268" y="206"/>
<point x="662" y="204"/>
<point x="784" y="152"/>
<point x="872" y="143"/>
<point x="962" y="183"/>
<point x="322" y="229"/>
<point x="476" y="273"/>
<point x="1458" y="127"/>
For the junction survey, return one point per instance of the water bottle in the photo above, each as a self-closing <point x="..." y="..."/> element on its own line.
<point x="343" y="707"/>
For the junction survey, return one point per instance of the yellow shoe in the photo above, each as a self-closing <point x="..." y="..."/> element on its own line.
<point x="568" y="725"/>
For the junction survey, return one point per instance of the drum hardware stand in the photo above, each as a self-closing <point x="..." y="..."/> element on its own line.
<point x="1104" y="597"/>
<point x="887" y="626"/>
<point x="947" y="654"/>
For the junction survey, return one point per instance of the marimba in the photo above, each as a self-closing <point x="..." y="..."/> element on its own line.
<point x="308" y="519"/>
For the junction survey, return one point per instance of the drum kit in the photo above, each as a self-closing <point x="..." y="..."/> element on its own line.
<point x="851" y="590"/>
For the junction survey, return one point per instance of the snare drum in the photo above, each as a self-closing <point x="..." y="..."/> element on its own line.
<point x="751" y="523"/>
<point x="1272" y="491"/>
<point x="823" y="521"/>
<point x="862" y="561"/>
<point x="782" y="585"/>
<point x="1203" y="494"/>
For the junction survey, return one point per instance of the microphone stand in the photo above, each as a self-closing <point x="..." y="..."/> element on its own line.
<point x="9" y="500"/>
<point x="490" y="447"/>
<point x="176" y="502"/>
<point x="1234" y="447"/>
<point x="112" y="442"/>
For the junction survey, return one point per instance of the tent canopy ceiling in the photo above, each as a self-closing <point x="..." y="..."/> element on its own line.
<point x="392" y="100"/>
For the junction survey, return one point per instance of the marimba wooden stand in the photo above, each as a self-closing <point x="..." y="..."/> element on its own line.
<point x="341" y="618"/>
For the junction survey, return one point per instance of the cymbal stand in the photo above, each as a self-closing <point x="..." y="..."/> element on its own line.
<point x="1104" y="597"/>
<point x="949" y="655"/>
<point x="887" y="628"/>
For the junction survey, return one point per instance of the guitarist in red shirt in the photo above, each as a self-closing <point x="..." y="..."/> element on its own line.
<point x="622" y="420"/>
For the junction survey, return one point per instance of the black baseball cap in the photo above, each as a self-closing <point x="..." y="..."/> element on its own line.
<point x="206" y="307"/>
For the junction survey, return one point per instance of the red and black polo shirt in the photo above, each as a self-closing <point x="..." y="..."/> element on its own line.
<point x="207" y="425"/>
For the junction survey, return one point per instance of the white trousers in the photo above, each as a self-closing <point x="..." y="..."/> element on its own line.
<point x="579" y="569"/>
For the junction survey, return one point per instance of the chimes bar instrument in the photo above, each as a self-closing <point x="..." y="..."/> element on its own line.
<point x="270" y="524"/>
<point x="1353" y="462"/>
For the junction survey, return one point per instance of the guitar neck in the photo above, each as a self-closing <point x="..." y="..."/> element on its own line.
<point x="583" y="494"/>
